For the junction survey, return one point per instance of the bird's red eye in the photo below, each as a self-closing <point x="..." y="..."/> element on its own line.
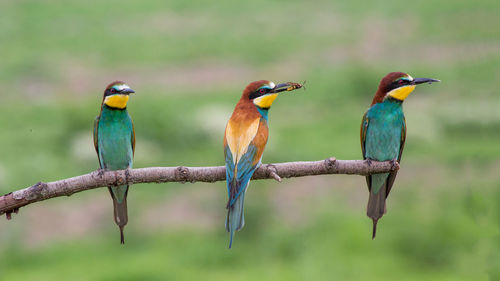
<point x="262" y="91"/>
<point x="401" y="82"/>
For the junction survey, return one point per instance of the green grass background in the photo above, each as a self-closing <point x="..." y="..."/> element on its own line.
<point x="188" y="62"/>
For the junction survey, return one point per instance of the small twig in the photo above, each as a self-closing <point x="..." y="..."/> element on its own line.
<point x="271" y="169"/>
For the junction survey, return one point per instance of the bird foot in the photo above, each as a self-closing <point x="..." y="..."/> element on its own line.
<point x="394" y="164"/>
<point x="100" y="172"/>
<point x="368" y="161"/>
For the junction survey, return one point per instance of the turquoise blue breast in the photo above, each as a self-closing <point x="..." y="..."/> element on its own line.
<point x="383" y="136"/>
<point x="115" y="139"/>
<point x="263" y="112"/>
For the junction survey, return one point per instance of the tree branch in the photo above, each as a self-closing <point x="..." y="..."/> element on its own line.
<point x="11" y="202"/>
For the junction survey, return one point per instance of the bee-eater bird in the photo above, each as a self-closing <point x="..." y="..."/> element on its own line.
<point x="114" y="141"/>
<point x="244" y="141"/>
<point x="383" y="135"/>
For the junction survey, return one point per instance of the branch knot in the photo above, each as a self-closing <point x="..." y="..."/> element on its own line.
<point x="330" y="163"/>
<point x="36" y="191"/>
<point x="182" y="174"/>
<point x="119" y="179"/>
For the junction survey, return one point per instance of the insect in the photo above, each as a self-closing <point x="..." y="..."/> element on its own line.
<point x="294" y="86"/>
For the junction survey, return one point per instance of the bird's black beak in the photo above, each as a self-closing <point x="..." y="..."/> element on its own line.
<point x="127" y="91"/>
<point x="417" y="81"/>
<point x="289" y="86"/>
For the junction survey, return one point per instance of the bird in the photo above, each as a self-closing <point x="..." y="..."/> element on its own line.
<point x="245" y="138"/>
<point x="383" y="135"/>
<point x="114" y="142"/>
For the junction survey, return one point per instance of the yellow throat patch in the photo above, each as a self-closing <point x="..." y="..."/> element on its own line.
<point x="402" y="92"/>
<point x="116" y="101"/>
<point x="265" y="101"/>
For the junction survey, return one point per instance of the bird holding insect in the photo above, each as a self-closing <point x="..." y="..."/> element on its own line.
<point x="245" y="138"/>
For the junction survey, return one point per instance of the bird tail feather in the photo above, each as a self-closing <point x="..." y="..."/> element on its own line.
<point x="376" y="206"/>
<point x="235" y="219"/>
<point x="119" y="195"/>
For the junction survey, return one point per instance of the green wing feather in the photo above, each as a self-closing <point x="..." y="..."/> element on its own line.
<point x="96" y="141"/>
<point x="133" y="139"/>
<point x="364" y="128"/>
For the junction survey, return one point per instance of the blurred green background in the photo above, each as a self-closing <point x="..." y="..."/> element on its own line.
<point x="188" y="62"/>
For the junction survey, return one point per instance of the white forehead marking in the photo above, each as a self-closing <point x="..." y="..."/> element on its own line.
<point x="121" y="87"/>
<point x="271" y="84"/>
<point x="409" y="76"/>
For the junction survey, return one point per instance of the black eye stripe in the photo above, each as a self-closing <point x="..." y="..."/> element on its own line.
<point x="258" y="93"/>
<point x="111" y="91"/>
<point x="397" y="83"/>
